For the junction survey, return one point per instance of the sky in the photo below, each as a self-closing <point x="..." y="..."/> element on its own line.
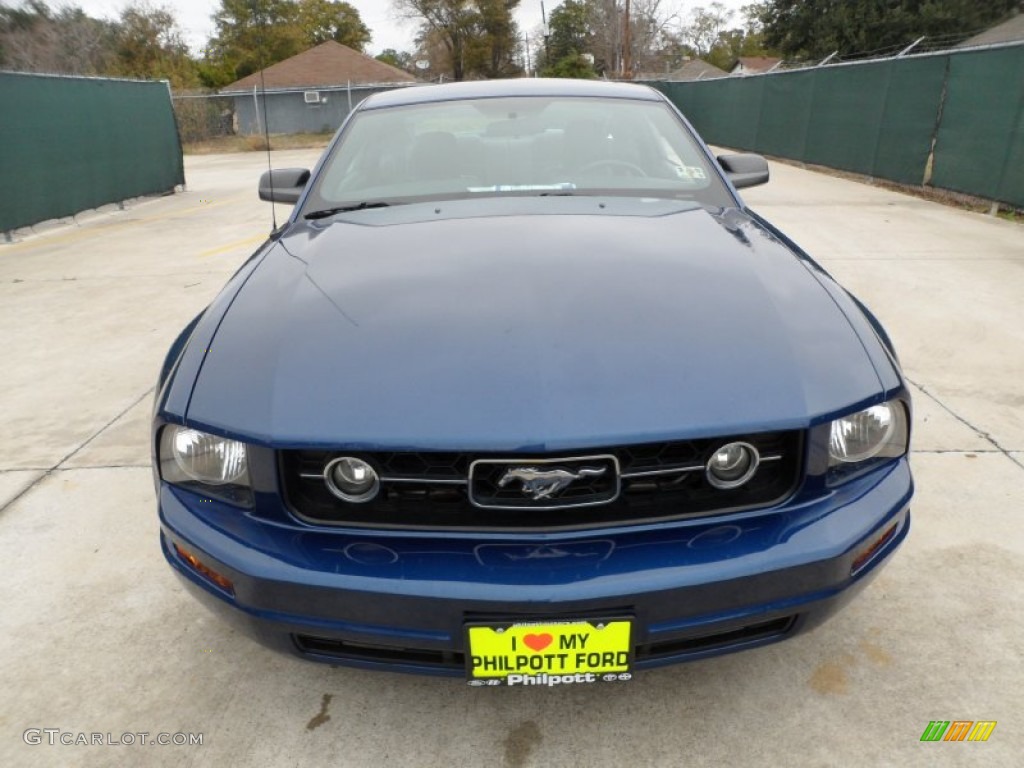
<point x="388" y="30"/>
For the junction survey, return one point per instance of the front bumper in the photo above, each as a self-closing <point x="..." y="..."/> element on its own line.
<point x="400" y="601"/>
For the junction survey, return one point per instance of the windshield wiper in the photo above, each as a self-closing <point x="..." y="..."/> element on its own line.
<point x="346" y="208"/>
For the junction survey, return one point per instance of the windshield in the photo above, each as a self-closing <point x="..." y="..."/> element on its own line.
<point x="516" y="146"/>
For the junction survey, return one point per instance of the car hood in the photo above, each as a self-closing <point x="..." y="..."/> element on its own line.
<point x="516" y="332"/>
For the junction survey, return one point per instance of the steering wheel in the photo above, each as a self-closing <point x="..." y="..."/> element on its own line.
<point x="634" y="170"/>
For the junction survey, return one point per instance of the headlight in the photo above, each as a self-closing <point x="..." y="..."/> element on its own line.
<point x="876" y="432"/>
<point x="207" y="458"/>
<point x="205" y="463"/>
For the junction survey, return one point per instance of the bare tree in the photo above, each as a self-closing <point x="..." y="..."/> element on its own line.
<point x="35" y="39"/>
<point x="704" y="26"/>
<point x="650" y="25"/>
<point x="651" y="34"/>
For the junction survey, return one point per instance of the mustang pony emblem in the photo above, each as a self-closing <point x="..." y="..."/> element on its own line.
<point x="543" y="483"/>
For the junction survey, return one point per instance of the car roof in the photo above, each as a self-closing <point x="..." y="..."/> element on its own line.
<point x="523" y="86"/>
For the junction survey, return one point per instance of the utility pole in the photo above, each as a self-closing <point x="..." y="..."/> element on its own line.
<point x="627" y="44"/>
<point x="544" y="24"/>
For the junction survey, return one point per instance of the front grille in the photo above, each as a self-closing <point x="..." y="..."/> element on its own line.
<point x="721" y="641"/>
<point x="753" y="633"/>
<point x="431" y="491"/>
<point x="343" y="650"/>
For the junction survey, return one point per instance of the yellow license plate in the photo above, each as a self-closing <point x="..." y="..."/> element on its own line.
<point x="549" y="654"/>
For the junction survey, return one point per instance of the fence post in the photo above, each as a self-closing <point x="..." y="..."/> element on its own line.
<point x="256" y="109"/>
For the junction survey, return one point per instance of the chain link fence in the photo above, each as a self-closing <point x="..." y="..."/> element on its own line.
<point x="204" y="116"/>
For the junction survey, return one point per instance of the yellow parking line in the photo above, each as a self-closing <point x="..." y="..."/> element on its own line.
<point x="234" y="245"/>
<point x="68" y="237"/>
<point x="176" y="212"/>
<point x="97" y="226"/>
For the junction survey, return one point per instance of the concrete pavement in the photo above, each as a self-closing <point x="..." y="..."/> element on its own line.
<point x="96" y="635"/>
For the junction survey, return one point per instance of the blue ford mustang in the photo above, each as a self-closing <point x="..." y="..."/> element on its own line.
<point x="523" y="392"/>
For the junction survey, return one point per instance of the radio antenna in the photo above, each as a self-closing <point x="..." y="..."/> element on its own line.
<point x="261" y="25"/>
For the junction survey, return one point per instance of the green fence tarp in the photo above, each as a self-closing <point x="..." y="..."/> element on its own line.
<point x="980" y="145"/>
<point x="782" y="130"/>
<point x="908" y="120"/>
<point x="880" y="118"/>
<point x="68" y="144"/>
<point x="846" y="116"/>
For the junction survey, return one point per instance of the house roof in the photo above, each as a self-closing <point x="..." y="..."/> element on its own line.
<point x="756" y="63"/>
<point x="1009" y="31"/>
<point x="696" y="69"/>
<point x="328" y="64"/>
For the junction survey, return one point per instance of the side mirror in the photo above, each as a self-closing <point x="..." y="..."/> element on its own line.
<point x="283" y="185"/>
<point x="744" y="170"/>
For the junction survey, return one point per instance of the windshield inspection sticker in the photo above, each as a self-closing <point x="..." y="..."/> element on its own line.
<point x="690" y="172"/>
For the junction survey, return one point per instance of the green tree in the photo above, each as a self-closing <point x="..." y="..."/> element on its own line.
<point x="576" y="65"/>
<point x="568" y="50"/>
<point x="480" y="37"/>
<point x="734" y="43"/>
<point x="253" y="34"/>
<point x="569" y="29"/>
<point x="811" y="29"/>
<point x="323" y="20"/>
<point x="492" y="48"/>
<point x="149" y="44"/>
<point x="400" y="59"/>
<point x="729" y="44"/>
